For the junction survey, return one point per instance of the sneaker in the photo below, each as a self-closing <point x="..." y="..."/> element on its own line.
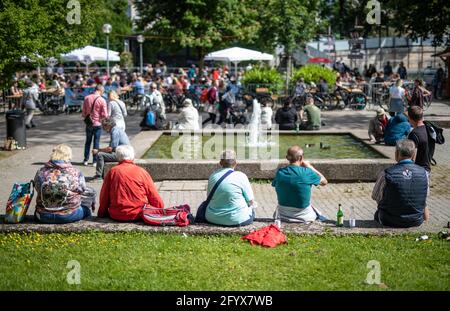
<point x="94" y="164"/>
<point x="85" y="163"/>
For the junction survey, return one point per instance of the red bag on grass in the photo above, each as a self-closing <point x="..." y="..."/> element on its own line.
<point x="269" y="236"/>
<point x="172" y="216"/>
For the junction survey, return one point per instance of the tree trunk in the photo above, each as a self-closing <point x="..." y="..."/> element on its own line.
<point x="201" y="62"/>
<point x="288" y="71"/>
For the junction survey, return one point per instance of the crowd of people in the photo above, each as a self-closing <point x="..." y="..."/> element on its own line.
<point x="400" y="191"/>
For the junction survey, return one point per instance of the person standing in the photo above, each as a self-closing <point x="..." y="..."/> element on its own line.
<point x="30" y="99"/>
<point x="418" y="94"/>
<point x="387" y="70"/>
<point x="211" y="103"/>
<point x="419" y="135"/>
<point x="402" y="71"/>
<point x="438" y="81"/>
<point x="95" y="106"/>
<point x="117" y="110"/>
<point x="396" y="98"/>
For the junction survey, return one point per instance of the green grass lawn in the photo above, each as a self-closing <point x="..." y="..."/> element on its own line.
<point x="142" y="261"/>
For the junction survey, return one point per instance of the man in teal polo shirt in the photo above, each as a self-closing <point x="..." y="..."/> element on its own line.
<point x="293" y="185"/>
<point x="233" y="202"/>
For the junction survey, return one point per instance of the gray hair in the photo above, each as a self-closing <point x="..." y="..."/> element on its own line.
<point x="228" y="158"/>
<point x="108" y="122"/>
<point x="406" y="148"/>
<point x="125" y="152"/>
<point x="99" y="87"/>
<point x="294" y="154"/>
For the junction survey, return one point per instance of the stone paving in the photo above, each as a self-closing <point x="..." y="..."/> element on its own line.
<point x="52" y="130"/>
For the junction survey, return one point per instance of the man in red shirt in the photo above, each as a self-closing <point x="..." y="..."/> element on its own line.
<point x="126" y="189"/>
<point x="95" y="106"/>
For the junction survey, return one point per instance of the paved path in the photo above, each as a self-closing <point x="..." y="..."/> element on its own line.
<point x="52" y="130"/>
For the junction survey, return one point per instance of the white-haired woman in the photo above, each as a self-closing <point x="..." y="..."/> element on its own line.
<point x="62" y="195"/>
<point x="188" y="119"/>
<point x="117" y="110"/>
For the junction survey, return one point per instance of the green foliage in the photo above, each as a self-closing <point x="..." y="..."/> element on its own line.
<point x="288" y="22"/>
<point x="113" y="12"/>
<point x="312" y="73"/>
<point x="264" y="77"/>
<point x="144" y="261"/>
<point x="39" y="29"/>
<point x="199" y="24"/>
<point x="126" y="60"/>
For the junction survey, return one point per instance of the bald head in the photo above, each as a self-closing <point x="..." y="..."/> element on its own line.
<point x="294" y="154"/>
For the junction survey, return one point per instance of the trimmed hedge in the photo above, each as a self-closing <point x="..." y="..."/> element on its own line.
<point x="263" y="77"/>
<point x="313" y="73"/>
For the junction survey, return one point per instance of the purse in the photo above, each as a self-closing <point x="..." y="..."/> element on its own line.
<point x="201" y="211"/>
<point x="18" y="202"/>
<point x="88" y="120"/>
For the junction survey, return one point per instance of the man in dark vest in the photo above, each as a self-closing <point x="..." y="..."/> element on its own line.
<point x="401" y="190"/>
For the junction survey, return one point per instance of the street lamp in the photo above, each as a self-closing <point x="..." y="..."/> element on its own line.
<point x="107" y="30"/>
<point x="141" y="39"/>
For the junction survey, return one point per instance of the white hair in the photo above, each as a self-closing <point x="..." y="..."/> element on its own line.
<point x="125" y="152"/>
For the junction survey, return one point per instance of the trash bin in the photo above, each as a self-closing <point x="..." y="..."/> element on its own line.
<point x="15" y="127"/>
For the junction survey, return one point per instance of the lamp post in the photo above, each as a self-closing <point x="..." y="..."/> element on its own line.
<point x="141" y="39"/>
<point x="107" y="30"/>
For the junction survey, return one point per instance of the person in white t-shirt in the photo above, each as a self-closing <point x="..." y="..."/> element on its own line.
<point x="396" y="98"/>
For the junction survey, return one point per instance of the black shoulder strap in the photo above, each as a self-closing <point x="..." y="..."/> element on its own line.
<point x="213" y="190"/>
<point x="93" y="104"/>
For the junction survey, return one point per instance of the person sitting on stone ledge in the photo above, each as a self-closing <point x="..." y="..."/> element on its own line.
<point x="312" y="112"/>
<point x="108" y="154"/>
<point x="286" y="117"/>
<point x="62" y="195"/>
<point x="401" y="190"/>
<point x="233" y="202"/>
<point x="293" y="185"/>
<point x="188" y="119"/>
<point x="127" y="188"/>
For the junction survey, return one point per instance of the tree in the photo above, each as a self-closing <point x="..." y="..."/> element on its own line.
<point x="39" y="29"/>
<point x="289" y="23"/>
<point x="418" y="18"/>
<point x="199" y="24"/>
<point x="113" y="12"/>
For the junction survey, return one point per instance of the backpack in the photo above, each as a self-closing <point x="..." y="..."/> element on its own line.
<point x="435" y="132"/>
<point x="172" y="216"/>
<point x="18" y="202"/>
<point x="435" y="136"/>
<point x="150" y="118"/>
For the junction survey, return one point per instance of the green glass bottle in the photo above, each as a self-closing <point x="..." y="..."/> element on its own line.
<point x="340" y="217"/>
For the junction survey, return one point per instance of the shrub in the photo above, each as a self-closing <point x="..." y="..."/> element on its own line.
<point x="312" y="73"/>
<point x="263" y="77"/>
<point x="126" y="60"/>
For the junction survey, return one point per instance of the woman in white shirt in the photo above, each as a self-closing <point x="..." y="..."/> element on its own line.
<point x="117" y="110"/>
<point x="396" y="95"/>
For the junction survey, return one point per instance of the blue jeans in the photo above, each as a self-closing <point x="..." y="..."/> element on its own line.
<point x="77" y="215"/>
<point x="96" y="132"/>
<point x="200" y="217"/>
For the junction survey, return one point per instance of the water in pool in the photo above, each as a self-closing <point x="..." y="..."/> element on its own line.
<point x="315" y="146"/>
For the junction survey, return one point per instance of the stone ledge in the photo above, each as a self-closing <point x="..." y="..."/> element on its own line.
<point x="363" y="227"/>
